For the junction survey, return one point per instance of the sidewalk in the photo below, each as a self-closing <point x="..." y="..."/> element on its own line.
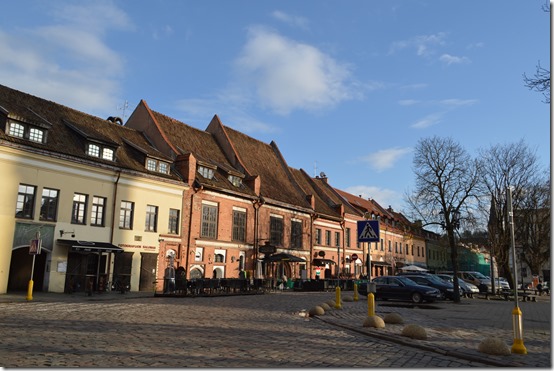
<point x="457" y="329"/>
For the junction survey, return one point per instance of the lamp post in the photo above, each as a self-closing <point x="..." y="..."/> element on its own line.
<point x="518" y="346"/>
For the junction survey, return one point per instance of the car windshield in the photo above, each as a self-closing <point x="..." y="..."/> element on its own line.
<point x="479" y="275"/>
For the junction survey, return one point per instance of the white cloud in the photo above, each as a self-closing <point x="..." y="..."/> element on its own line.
<point x="423" y="44"/>
<point x="287" y="75"/>
<point x="429" y="120"/>
<point x="66" y="59"/>
<point x="452" y="59"/>
<point x="454" y="102"/>
<point x="384" y="197"/>
<point x="386" y="158"/>
<point x="292" y="20"/>
<point x="408" y="102"/>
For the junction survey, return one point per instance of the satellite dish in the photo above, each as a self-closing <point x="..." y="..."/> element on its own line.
<point x="170" y="254"/>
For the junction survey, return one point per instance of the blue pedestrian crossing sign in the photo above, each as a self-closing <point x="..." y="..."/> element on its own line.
<point x="368" y="231"/>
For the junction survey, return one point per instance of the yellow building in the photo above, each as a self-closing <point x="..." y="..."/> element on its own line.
<point x="83" y="186"/>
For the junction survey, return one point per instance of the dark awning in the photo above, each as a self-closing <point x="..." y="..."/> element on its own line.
<point x="322" y="262"/>
<point x="91" y="246"/>
<point x="384" y="264"/>
<point x="284" y="257"/>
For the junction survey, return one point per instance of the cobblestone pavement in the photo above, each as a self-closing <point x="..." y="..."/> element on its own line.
<point x="139" y="330"/>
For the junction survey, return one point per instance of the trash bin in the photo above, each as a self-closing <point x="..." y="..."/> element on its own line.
<point x="290" y="283"/>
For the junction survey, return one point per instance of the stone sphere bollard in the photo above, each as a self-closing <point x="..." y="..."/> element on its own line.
<point x="414" y="332"/>
<point x="347" y="299"/>
<point x="331" y="303"/>
<point x="374" y="321"/>
<point x="316" y="311"/>
<point x="393" y="318"/>
<point x="494" y="346"/>
<point x="326" y="307"/>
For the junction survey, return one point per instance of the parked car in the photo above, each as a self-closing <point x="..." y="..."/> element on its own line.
<point x="476" y="278"/>
<point x="401" y="288"/>
<point x="431" y="280"/>
<point x="468" y="288"/>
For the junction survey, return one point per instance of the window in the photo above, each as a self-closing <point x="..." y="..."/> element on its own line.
<point x="25" y="201"/>
<point x="79" y="208"/>
<point x="396" y="247"/>
<point x="209" y="221"/>
<point x="97" y="212"/>
<point x="417" y="250"/>
<point x="276" y="230"/>
<point x="239" y="225"/>
<point x="206" y="172"/>
<point x="163" y="167"/>
<point x="49" y="204"/>
<point x="126" y="215"/>
<point x="151" y="222"/>
<point x="296" y="234"/>
<point x="93" y="150"/>
<point x="318" y="236"/>
<point x="17" y="130"/>
<point x="219" y="258"/>
<point x="173" y="227"/>
<point x="107" y="154"/>
<point x="235" y="180"/>
<point x="151" y="164"/>
<point x="390" y="246"/>
<point x="337" y="239"/>
<point x="347" y="237"/>
<point x="328" y="238"/>
<point x="36" y="135"/>
<point x="382" y="245"/>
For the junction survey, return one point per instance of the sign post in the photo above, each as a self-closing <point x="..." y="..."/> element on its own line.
<point x="34" y="249"/>
<point x="368" y="231"/>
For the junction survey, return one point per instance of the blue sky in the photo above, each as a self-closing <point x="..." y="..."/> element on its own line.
<point x="346" y="88"/>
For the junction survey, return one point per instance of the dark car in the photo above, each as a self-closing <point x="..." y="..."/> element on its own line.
<point x="401" y="288"/>
<point x="425" y="279"/>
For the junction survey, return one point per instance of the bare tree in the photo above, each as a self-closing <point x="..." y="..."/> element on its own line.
<point x="507" y="165"/>
<point x="446" y="185"/>
<point x="540" y="81"/>
<point x="532" y="225"/>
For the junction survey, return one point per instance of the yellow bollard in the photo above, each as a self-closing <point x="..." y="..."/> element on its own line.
<point x="338" y="305"/>
<point x="30" y="290"/>
<point x="518" y="346"/>
<point x="356" y="292"/>
<point x="370" y="304"/>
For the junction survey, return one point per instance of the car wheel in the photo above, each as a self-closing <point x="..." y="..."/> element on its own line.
<point x="417" y="298"/>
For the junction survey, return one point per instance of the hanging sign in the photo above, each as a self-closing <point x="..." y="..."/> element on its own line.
<point x="35" y="246"/>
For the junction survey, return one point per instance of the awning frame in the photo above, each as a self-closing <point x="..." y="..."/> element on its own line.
<point x="91" y="246"/>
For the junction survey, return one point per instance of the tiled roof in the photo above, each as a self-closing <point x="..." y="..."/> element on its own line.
<point x="266" y="161"/>
<point x="362" y="204"/>
<point x="69" y="129"/>
<point x="323" y="205"/>
<point x="204" y="147"/>
<point x="334" y="196"/>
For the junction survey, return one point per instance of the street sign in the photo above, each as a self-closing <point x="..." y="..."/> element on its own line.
<point x="35" y="246"/>
<point x="368" y="231"/>
<point x="354" y="257"/>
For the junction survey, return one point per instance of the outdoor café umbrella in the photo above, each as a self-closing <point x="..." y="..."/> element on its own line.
<point x="412" y="268"/>
<point x="284" y="257"/>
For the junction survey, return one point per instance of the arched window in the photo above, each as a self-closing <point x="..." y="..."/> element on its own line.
<point x="218" y="258"/>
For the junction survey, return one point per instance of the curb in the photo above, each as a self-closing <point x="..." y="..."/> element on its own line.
<point x="402" y="341"/>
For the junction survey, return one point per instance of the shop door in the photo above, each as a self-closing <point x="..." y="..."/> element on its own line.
<point x="148" y="264"/>
<point x="123" y="264"/>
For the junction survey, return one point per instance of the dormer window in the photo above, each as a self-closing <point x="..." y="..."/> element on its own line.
<point x="36" y="135"/>
<point x="206" y="172"/>
<point x="24" y="131"/>
<point x="16" y="130"/>
<point x="157" y="166"/>
<point x="235" y="180"/>
<point x="105" y="153"/>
